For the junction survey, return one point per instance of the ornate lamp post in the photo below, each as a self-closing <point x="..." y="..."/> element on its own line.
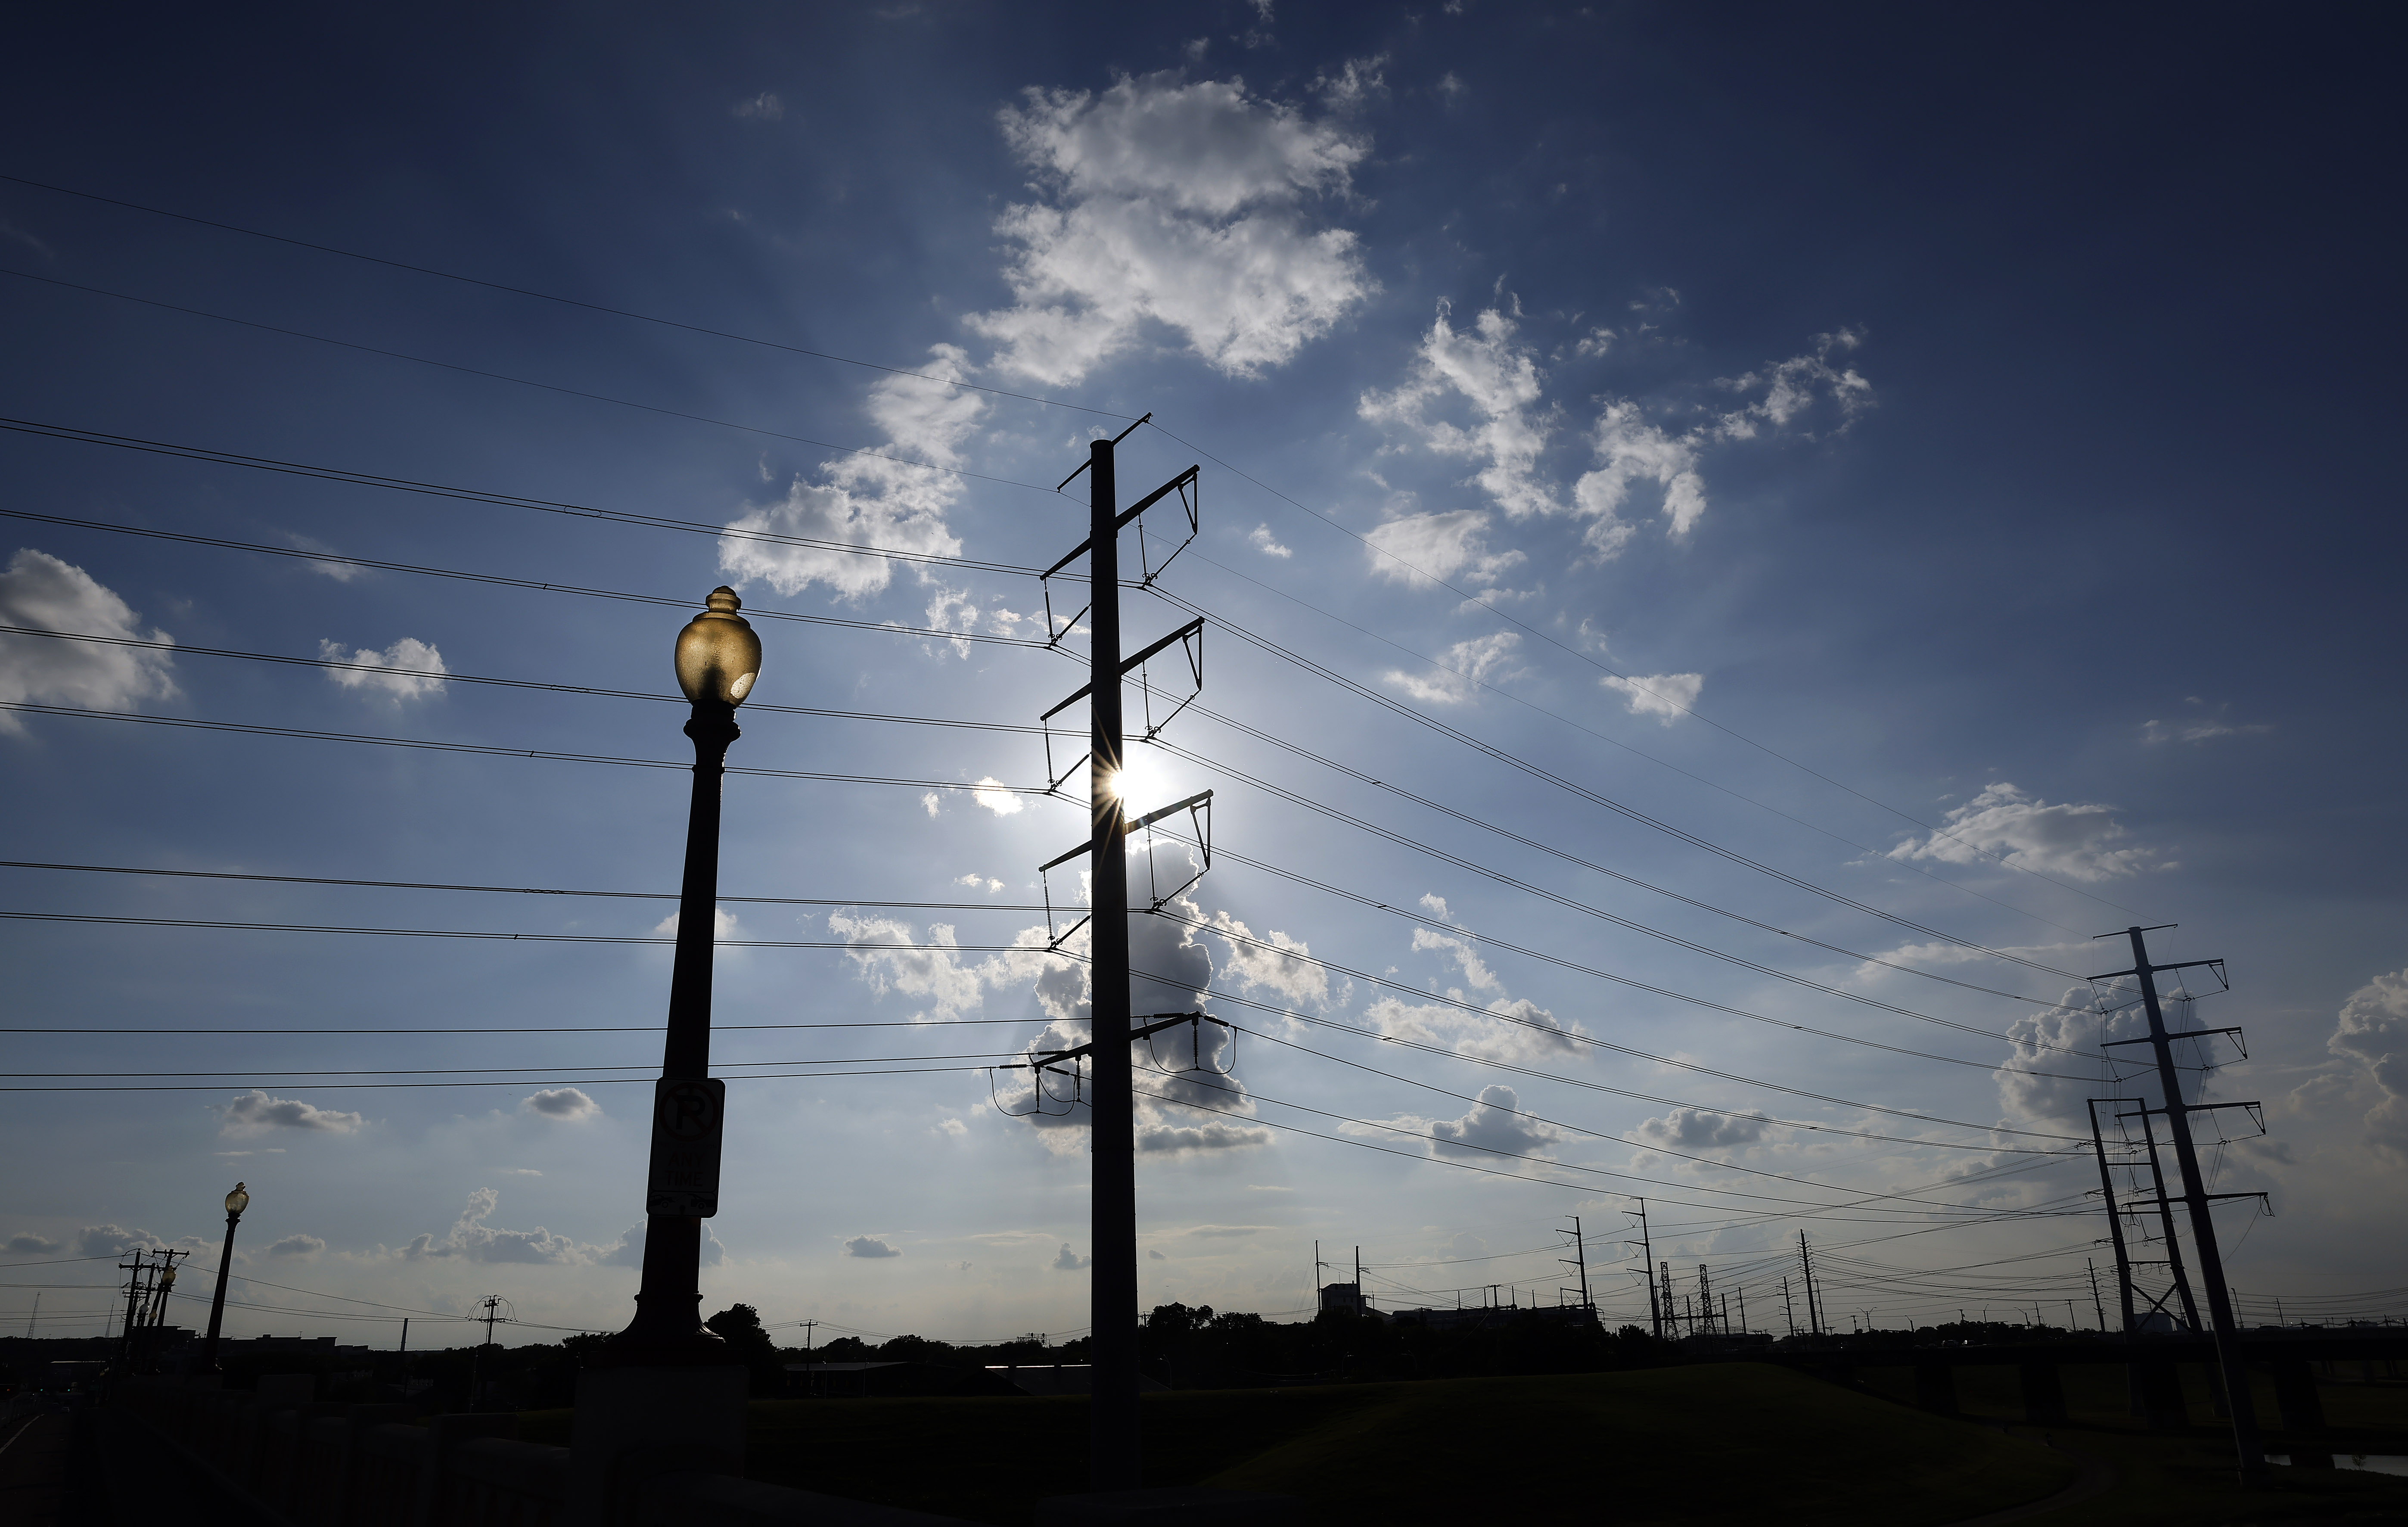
<point x="718" y="658"/>
<point x="236" y="1203"/>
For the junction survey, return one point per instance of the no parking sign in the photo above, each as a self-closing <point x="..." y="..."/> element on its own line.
<point x="686" y="1118"/>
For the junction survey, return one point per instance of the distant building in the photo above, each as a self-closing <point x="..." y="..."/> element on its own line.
<point x="1347" y="1297"/>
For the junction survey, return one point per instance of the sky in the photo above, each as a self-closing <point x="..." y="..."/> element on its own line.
<point x="1730" y="544"/>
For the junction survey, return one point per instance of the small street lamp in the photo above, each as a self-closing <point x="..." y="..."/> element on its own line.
<point x="718" y="658"/>
<point x="236" y="1203"/>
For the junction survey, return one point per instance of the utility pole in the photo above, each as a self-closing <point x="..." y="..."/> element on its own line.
<point x="1647" y="1264"/>
<point x="1580" y="1260"/>
<point x="1788" y="1311"/>
<point x="2099" y="1304"/>
<point x="1113" y="1436"/>
<point x="476" y="1363"/>
<point x="1664" y="1271"/>
<point x="1743" y="1308"/>
<point x="2166" y="1222"/>
<point x="2115" y="1221"/>
<point x="35" y="1316"/>
<point x="136" y="1287"/>
<point x="2237" y="1400"/>
<point x="1806" y="1270"/>
<point x="1705" y="1299"/>
<point x="1361" y="1303"/>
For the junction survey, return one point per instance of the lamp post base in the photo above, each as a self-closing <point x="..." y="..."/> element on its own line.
<point x="633" y="1423"/>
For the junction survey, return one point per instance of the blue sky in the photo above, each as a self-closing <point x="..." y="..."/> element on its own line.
<point x="1899" y="482"/>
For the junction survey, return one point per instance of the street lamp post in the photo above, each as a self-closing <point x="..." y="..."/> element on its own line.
<point x="236" y="1203"/>
<point x="718" y="658"/>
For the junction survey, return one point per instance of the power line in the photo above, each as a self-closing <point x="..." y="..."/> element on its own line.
<point x="515" y="381"/>
<point x="1473" y="597"/>
<point x="487" y="750"/>
<point x="548" y="296"/>
<point x="952" y="382"/>
<point x="522" y="890"/>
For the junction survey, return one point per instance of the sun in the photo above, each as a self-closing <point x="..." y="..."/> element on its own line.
<point x="1142" y="783"/>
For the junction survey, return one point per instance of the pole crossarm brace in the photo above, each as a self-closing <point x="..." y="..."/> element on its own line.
<point x="1148" y="820"/>
<point x="1121" y="521"/>
<point x="1049" y="1058"/>
<point x="1192" y="631"/>
<point x="2184" y="965"/>
<point x="2213" y="1197"/>
<point x="1144" y="418"/>
<point x="2185" y="1034"/>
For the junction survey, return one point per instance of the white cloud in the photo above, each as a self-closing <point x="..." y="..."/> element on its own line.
<point x="1479" y="395"/>
<point x="868" y="500"/>
<point x="2155" y="731"/>
<point x="256" y="1113"/>
<point x="1172" y="203"/>
<point x="1423" y="549"/>
<point x="765" y="106"/>
<point x="27" y="1244"/>
<point x="1526" y="1032"/>
<point x="563" y="1103"/>
<point x="1261" y="541"/>
<point x="1667" y="697"/>
<point x="2032" y="1085"/>
<point x="341" y="572"/>
<point x="985" y="883"/>
<point x="1699" y="1129"/>
<point x="1436" y="906"/>
<point x="933" y="972"/>
<point x="1358" y="83"/>
<point x="1467" y="666"/>
<point x="408" y="670"/>
<point x="953" y="1128"/>
<point x="471" y="1239"/>
<point x="2373" y="1030"/>
<point x="1067" y="1261"/>
<point x="2077" y="841"/>
<point x="932" y="803"/>
<point x="45" y="594"/>
<point x="1476" y="973"/>
<point x="629" y="1252"/>
<point x="1492" y="1125"/>
<point x="724" y="925"/>
<point x="113" y="1239"/>
<point x="1286" y="968"/>
<point x="296" y="1246"/>
<point x="1500" y="382"/>
<point x="869" y="1246"/>
<point x="996" y="796"/>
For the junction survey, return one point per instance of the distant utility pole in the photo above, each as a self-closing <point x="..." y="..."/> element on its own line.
<point x="1360" y="1303"/>
<point x="35" y="1316"/>
<point x="1664" y="1271"/>
<point x="136" y="1286"/>
<point x="1806" y="1272"/>
<point x="1647" y="1264"/>
<point x="1743" y="1308"/>
<point x="2237" y="1400"/>
<point x="2098" y="1303"/>
<point x="1788" y="1311"/>
<point x="476" y="1364"/>
<point x="1705" y="1299"/>
<point x="1579" y="1259"/>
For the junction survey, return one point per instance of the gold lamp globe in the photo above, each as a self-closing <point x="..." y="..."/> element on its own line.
<point x="238" y="1201"/>
<point x="717" y="656"/>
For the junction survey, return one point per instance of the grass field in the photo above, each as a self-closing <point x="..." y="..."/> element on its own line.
<point x="1721" y="1444"/>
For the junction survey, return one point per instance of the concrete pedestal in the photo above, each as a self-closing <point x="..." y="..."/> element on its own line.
<point x="633" y="1423"/>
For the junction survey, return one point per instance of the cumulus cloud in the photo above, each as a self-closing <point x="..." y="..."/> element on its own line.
<point x="1262" y="540"/>
<point x="1465" y="666"/>
<point x="629" y="1251"/>
<point x="1285" y="969"/>
<point x="869" y="1246"/>
<point x="724" y="925"/>
<point x="113" y="1239"/>
<point x="996" y="796"/>
<point x="864" y="501"/>
<point x="472" y="1238"/>
<point x="256" y="1113"/>
<point x="1423" y="549"/>
<point x="1476" y="973"/>
<point x="953" y="1128"/>
<point x="1667" y="697"/>
<point x="1436" y="906"/>
<point x="2373" y="1030"/>
<point x="1479" y="395"/>
<point x="1067" y="1261"/>
<point x="563" y="1103"/>
<point x="1186" y="205"/>
<point x="2077" y="841"/>
<point x="1528" y="1032"/>
<point x="1493" y="1124"/>
<point x="1500" y="382"/>
<point x="44" y="594"/>
<point x="933" y="972"/>
<point x="2079" y="1021"/>
<point x="2204" y="727"/>
<point x="27" y="1244"/>
<point x="408" y="670"/>
<point x="1697" y="1128"/>
<point x="296" y="1246"/>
